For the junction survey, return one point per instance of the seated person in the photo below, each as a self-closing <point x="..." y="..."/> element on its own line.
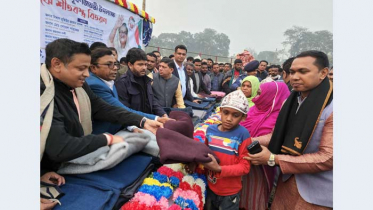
<point x="250" y="70"/>
<point x="216" y="78"/>
<point x="167" y="87"/>
<point x="103" y="71"/>
<point x="68" y="107"/>
<point x="135" y="89"/>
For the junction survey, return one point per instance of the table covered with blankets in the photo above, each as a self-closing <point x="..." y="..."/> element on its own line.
<point x="139" y="180"/>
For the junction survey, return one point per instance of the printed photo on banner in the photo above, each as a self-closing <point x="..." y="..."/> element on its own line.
<point x="90" y="21"/>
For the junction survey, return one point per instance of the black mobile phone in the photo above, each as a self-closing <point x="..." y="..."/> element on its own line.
<point x="254" y="147"/>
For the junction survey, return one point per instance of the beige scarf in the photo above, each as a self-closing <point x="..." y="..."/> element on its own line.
<point x="47" y="102"/>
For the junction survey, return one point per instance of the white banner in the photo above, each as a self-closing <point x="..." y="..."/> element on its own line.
<point x="89" y="21"/>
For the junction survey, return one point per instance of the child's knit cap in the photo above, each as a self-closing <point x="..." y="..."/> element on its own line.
<point x="236" y="100"/>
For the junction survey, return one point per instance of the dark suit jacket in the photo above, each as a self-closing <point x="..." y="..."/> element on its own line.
<point x="188" y="96"/>
<point x="202" y="85"/>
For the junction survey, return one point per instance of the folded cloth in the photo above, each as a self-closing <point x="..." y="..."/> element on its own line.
<point x="101" y="189"/>
<point x="150" y="148"/>
<point x="178" y="148"/>
<point x="188" y="110"/>
<point x="183" y="123"/>
<point x="218" y="93"/>
<point x="133" y="143"/>
<point x="128" y="192"/>
<point x="200" y="113"/>
<point x="196" y="105"/>
<point x="87" y="195"/>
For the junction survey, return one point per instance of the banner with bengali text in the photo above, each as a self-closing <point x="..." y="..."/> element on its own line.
<point x="89" y="21"/>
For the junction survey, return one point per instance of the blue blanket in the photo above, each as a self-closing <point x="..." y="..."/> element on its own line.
<point x="101" y="189"/>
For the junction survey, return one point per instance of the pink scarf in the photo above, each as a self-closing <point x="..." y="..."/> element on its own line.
<point x="261" y="118"/>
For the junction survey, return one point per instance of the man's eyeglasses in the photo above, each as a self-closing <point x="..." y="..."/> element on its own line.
<point x="110" y="65"/>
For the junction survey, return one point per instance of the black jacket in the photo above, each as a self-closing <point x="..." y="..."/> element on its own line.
<point x="66" y="140"/>
<point x="188" y="95"/>
<point x="202" y="85"/>
<point x="132" y="95"/>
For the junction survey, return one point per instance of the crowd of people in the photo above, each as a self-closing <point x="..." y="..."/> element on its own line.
<point x="88" y="95"/>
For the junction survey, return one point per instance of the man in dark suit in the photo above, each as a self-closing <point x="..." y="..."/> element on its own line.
<point x="199" y="85"/>
<point x="180" y="72"/>
<point x="103" y="71"/>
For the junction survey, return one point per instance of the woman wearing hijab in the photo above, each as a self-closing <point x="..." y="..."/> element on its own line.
<point x="260" y="122"/>
<point x="250" y="87"/>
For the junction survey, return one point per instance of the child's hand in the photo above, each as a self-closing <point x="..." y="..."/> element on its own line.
<point x="190" y="167"/>
<point x="213" y="165"/>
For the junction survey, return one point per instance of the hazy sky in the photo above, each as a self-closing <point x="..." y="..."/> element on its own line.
<point x="256" y="24"/>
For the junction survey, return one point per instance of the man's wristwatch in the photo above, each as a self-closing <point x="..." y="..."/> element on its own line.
<point x="142" y="122"/>
<point x="271" y="161"/>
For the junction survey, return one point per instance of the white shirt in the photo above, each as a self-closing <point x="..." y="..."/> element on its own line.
<point x="191" y="88"/>
<point x="182" y="77"/>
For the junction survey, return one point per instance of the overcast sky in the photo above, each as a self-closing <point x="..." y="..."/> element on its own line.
<point x="256" y="24"/>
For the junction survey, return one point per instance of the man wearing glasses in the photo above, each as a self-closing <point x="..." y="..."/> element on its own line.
<point x="103" y="71"/>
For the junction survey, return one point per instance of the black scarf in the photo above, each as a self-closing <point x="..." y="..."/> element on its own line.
<point x="293" y="130"/>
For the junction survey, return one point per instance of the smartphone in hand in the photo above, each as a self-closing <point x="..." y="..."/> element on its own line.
<point x="254" y="148"/>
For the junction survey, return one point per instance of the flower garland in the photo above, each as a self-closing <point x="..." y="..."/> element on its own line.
<point x="170" y="183"/>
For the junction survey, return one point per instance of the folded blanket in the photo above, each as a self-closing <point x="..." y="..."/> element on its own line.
<point x="101" y="160"/>
<point x="101" y="189"/>
<point x="202" y="105"/>
<point x="128" y="192"/>
<point x="177" y="148"/>
<point x="183" y="123"/>
<point x="87" y="195"/>
<point x="151" y="148"/>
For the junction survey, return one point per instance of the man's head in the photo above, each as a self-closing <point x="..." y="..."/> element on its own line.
<point x="68" y="61"/>
<point x="152" y="61"/>
<point x="166" y="67"/>
<point x="115" y="52"/>
<point x="286" y="66"/>
<point x="197" y="64"/>
<point x="330" y="75"/>
<point x="95" y="45"/>
<point x="103" y="64"/>
<point x="204" y="67"/>
<point x="123" y="33"/>
<point x="190" y="59"/>
<point x="171" y="57"/>
<point x="234" y="108"/>
<point x="221" y="67"/>
<point x="262" y="65"/>
<point x="215" y="68"/>
<point x="123" y="61"/>
<point x="189" y="68"/>
<point x="227" y="67"/>
<point x="158" y="54"/>
<point x="308" y="70"/>
<point x="251" y="68"/>
<point x="238" y="64"/>
<point x="273" y="70"/>
<point x="204" y="60"/>
<point x="180" y="54"/>
<point x="136" y="61"/>
<point x="209" y="62"/>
